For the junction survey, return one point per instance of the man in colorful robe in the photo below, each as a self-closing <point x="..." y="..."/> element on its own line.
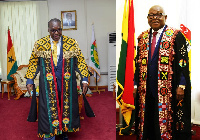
<point x="57" y="57"/>
<point x="163" y="84"/>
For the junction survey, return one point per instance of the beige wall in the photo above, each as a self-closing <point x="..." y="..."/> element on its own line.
<point x="99" y="12"/>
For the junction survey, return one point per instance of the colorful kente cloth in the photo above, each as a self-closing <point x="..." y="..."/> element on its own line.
<point x="58" y="99"/>
<point x="172" y="120"/>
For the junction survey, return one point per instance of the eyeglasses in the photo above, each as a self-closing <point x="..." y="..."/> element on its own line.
<point x="151" y="16"/>
<point x="54" y="30"/>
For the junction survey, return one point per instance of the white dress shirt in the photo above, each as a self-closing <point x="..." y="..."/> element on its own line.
<point x="58" y="46"/>
<point x="157" y="35"/>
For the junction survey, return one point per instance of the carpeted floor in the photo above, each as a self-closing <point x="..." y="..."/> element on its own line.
<point x="195" y="136"/>
<point x="13" y="116"/>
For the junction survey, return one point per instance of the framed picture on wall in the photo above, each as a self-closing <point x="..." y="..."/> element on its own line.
<point x="69" y="20"/>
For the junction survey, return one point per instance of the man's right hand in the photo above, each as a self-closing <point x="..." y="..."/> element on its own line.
<point x="29" y="88"/>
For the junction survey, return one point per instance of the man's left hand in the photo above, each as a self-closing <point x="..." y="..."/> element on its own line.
<point x="179" y="93"/>
<point x="85" y="88"/>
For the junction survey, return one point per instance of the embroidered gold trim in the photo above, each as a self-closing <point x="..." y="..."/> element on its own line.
<point x="70" y="54"/>
<point x="66" y="54"/>
<point x="44" y="54"/>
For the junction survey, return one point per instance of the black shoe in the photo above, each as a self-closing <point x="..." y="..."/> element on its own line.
<point x="65" y="138"/>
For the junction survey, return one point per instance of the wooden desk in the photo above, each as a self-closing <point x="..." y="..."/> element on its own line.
<point x="8" y="83"/>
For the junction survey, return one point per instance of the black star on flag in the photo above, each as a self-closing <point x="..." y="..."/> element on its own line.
<point x="10" y="59"/>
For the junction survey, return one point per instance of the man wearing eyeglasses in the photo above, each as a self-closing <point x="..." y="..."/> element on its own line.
<point x="162" y="82"/>
<point x="57" y="57"/>
<point x="69" y="21"/>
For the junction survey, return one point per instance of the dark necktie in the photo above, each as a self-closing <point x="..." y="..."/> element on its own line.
<point x="153" y="44"/>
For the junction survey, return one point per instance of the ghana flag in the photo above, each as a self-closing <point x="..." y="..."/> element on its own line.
<point x="125" y="72"/>
<point x="94" y="59"/>
<point x="11" y="59"/>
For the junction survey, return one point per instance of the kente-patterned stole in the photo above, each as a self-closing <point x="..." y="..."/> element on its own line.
<point x="59" y="119"/>
<point x="166" y="56"/>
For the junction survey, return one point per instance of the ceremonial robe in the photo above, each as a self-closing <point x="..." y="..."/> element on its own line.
<point x="58" y="99"/>
<point x="158" y="113"/>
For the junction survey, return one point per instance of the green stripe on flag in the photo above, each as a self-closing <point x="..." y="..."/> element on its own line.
<point x="122" y="66"/>
<point x="12" y="71"/>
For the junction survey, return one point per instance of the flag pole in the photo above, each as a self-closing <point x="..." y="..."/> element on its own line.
<point x="96" y="87"/>
<point x="120" y="124"/>
<point x="94" y="68"/>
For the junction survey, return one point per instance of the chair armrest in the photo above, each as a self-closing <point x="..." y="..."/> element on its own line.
<point x="17" y="78"/>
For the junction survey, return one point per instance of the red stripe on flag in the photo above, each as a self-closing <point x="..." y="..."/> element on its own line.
<point x="129" y="72"/>
<point x="9" y="46"/>
<point x="94" y="43"/>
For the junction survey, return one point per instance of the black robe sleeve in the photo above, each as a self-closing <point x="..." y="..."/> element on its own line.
<point x="181" y="113"/>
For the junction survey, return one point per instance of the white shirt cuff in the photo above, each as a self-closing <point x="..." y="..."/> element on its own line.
<point x="182" y="86"/>
<point x="85" y="82"/>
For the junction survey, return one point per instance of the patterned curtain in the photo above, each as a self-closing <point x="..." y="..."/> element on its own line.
<point x="28" y="22"/>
